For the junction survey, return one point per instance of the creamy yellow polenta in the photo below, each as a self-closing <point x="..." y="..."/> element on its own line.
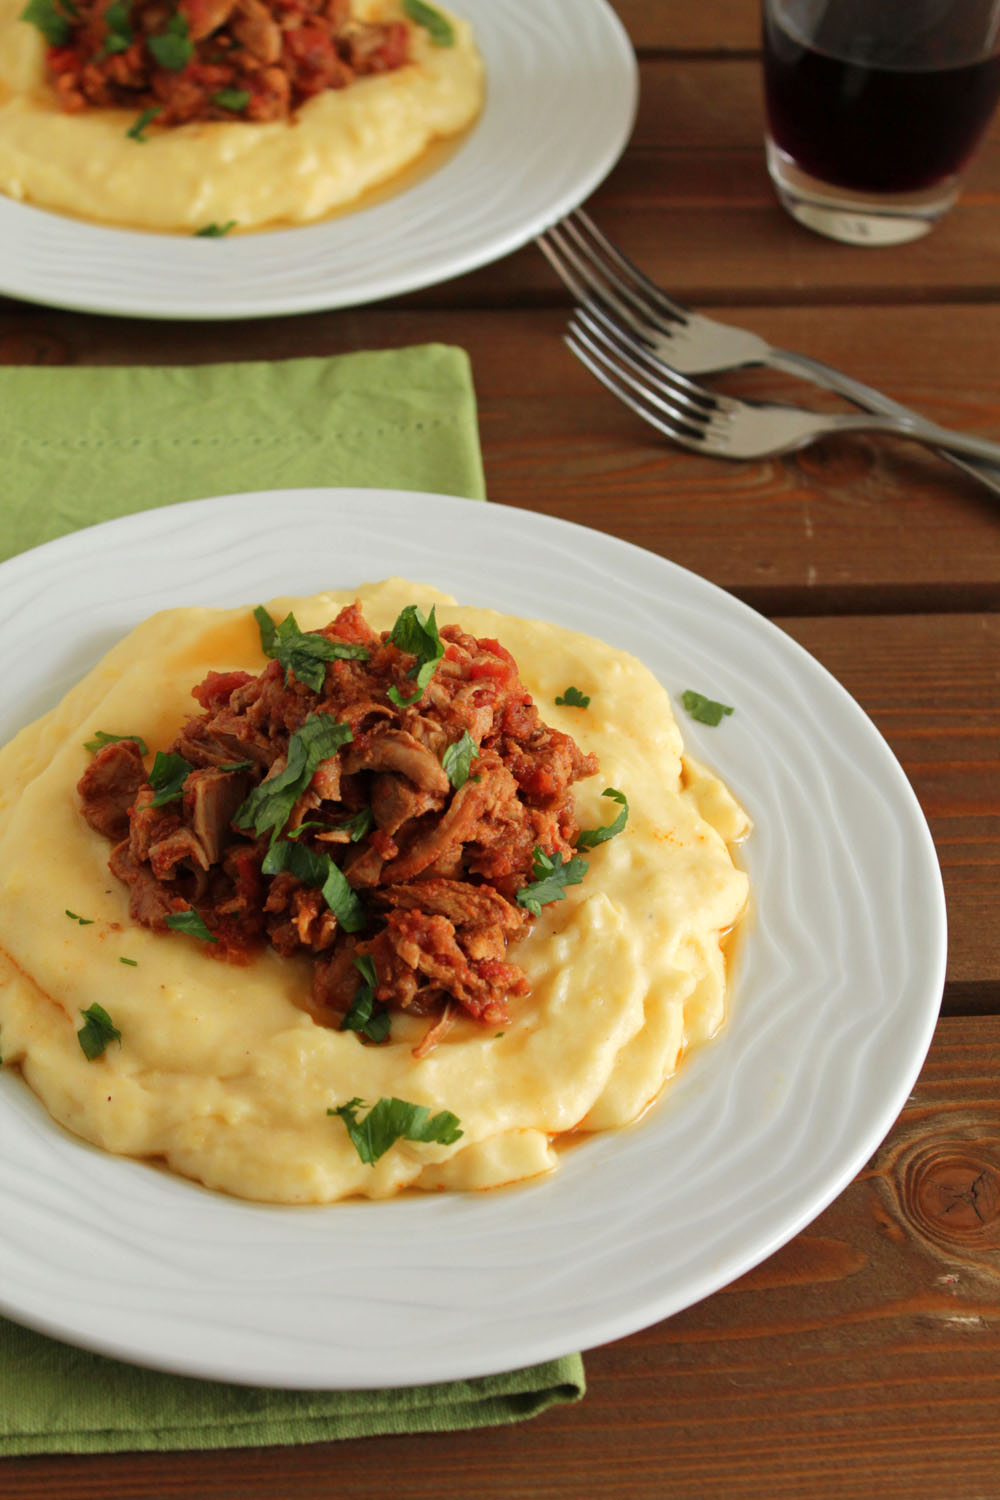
<point x="220" y="1071"/>
<point x="340" y="145"/>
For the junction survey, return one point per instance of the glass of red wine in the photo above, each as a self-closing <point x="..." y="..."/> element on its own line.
<point x="874" y="107"/>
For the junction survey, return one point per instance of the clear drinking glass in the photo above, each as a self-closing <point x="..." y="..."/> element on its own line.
<point x="874" y="107"/>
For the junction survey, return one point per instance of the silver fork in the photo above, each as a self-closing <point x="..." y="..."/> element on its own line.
<point x="623" y="299"/>
<point x="724" y="426"/>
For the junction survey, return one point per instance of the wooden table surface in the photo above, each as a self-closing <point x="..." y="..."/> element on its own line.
<point x="864" y="1357"/>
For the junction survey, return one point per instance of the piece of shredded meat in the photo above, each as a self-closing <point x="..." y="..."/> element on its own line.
<point x="191" y="60"/>
<point x="431" y="869"/>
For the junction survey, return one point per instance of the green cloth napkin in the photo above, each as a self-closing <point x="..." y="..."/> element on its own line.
<point x="85" y="445"/>
<point x="54" y="1399"/>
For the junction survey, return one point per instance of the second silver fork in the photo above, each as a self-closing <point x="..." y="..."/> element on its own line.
<point x="724" y="426"/>
<point x="625" y="301"/>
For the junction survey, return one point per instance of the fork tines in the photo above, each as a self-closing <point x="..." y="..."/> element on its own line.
<point x="601" y="277"/>
<point x="667" y="400"/>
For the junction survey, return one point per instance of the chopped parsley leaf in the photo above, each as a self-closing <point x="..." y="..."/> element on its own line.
<point x="457" y="759"/>
<point x="418" y="637"/>
<point x="133" y="963"/>
<point x="231" y="99"/>
<point x="101" y="738"/>
<point x="191" y="923"/>
<point x="215" y="231"/>
<point x="118" y="20"/>
<point x="593" y="836"/>
<point x="358" y="824"/>
<point x="317" y="870"/>
<point x="362" y="1016"/>
<point x="137" y="130"/>
<point x="573" y="698"/>
<point x="173" y="48"/>
<point x="83" y="921"/>
<point x="437" y="26"/>
<point x="304" y="653"/>
<point x="52" y="20"/>
<point x="270" y="804"/>
<point x="98" y="1032"/>
<point x="168" y="776"/>
<point x="552" y="876"/>
<point x="705" y="710"/>
<point x="391" y="1120"/>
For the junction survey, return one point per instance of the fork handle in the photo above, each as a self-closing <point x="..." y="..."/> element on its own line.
<point x="984" y="469"/>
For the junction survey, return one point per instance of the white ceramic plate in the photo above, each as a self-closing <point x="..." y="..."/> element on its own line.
<point x="562" y="88"/>
<point x="837" y="995"/>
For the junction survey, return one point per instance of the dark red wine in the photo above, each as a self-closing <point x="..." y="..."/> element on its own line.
<point x="874" y="129"/>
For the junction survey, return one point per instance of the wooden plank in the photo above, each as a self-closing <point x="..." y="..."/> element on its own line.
<point x="851" y="524"/>
<point x="862" y="1359"/>
<point x="719" y="26"/>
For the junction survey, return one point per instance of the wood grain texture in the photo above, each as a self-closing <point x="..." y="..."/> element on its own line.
<point x="852" y="524"/>
<point x="861" y="1359"/>
<point x="669" y="26"/>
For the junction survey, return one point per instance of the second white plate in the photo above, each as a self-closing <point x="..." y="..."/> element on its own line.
<point x="561" y="97"/>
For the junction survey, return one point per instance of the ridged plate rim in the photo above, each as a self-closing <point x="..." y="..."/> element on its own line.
<point x="837" y="989"/>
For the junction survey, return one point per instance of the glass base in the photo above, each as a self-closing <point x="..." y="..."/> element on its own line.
<point x="853" y="217"/>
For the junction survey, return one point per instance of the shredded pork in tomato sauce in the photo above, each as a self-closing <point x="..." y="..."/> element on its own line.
<point x="215" y="59"/>
<point x="432" y="855"/>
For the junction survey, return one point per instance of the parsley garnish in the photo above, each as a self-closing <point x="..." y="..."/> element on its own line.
<point x="168" y="776"/>
<point x="552" y="876"/>
<point x="305" y="654"/>
<point x="457" y="759"/>
<point x="573" y="698"/>
<point x="437" y="26"/>
<point x="173" y="49"/>
<point x="192" y="923"/>
<point x="215" y="231"/>
<point x="83" y="921"/>
<point x="231" y="99"/>
<point x="705" y="710"/>
<point x="306" y="827"/>
<point x="317" y="870"/>
<point x="419" y="637"/>
<point x="358" y="824"/>
<point x="269" y="805"/>
<point x="95" y="1036"/>
<point x="101" y="739"/>
<point x="136" y="130"/>
<point x="133" y="963"/>
<point x="391" y="1120"/>
<point x="360" y="1017"/>
<point x="118" y="20"/>
<point x="593" y="836"/>
<point x="52" y="20"/>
